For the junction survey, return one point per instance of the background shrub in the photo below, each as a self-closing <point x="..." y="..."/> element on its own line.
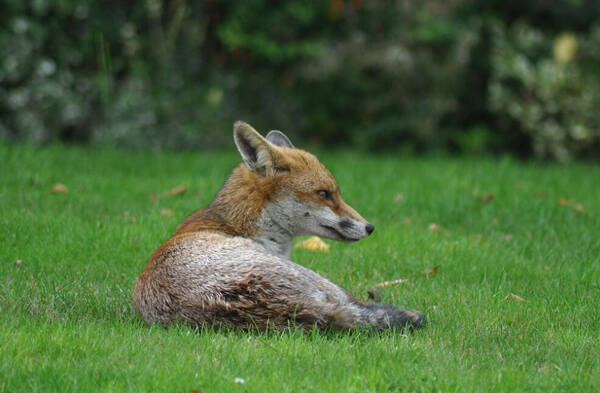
<point x="454" y="76"/>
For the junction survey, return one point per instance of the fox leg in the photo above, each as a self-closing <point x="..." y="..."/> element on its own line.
<point x="381" y="316"/>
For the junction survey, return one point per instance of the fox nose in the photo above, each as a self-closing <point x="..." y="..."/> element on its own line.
<point x="369" y="228"/>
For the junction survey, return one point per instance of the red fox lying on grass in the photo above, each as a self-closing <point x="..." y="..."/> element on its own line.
<point x="227" y="264"/>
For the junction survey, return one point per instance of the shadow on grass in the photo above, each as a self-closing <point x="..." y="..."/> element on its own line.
<point x="313" y="333"/>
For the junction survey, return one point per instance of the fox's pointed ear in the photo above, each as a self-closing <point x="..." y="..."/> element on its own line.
<point x="278" y="138"/>
<point x="260" y="155"/>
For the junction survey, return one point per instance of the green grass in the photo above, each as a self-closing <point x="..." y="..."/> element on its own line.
<point x="67" y="323"/>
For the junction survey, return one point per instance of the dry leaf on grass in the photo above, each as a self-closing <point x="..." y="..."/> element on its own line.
<point x="374" y="293"/>
<point x="539" y="194"/>
<point x="18" y="262"/>
<point x="485" y="198"/>
<point x="313" y="243"/>
<point x="59" y="188"/>
<point x="437" y="228"/>
<point x="179" y="190"/>
<point x="398" y="197"/>
<point x="407" y="221"/>
<point x="166" y="212"/>
<point x="128" y="216"/>
<point x="431" y="272"/>
<point x="508" y="238"/>
<point x="578" y="207"/>
<point x="391" y="282"/>
<point x="514" y="297"/>
<point x="547" y="367"/>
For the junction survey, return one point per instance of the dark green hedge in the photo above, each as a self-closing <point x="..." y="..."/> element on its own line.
<point x="437" y="75"/>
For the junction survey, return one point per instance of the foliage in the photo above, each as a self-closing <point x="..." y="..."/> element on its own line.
<point x="392" y="74"/>
<point x="551" y="98"/>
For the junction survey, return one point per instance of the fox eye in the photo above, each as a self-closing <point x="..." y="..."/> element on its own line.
<point x="325" y="195"/>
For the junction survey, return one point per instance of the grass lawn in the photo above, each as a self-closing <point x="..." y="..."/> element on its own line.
<point x="67" y="323"/>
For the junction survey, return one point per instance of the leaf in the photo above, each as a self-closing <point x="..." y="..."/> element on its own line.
<point x="487" y="197"/>
<point x="547" y="367"/>
<point x="179" y="190"/>
<point x="514" y="297"/>
<point x="166" y="212"/>
<point x="483" y="198"/>
<point x="565" y="47"/>
<point x="437" y="228"/>
<point x="391" y="282"/>
<point x="578" y="207"/>
<point x="399" y="197"/>
<point x="313" y="243"/>
<point x="431" y="272"/>
<point x="539" y="194"/>
<point x="128" y="216"/>
<point x="18" y="262"/>
<point x="407" y="221"/>
<point x="508" y="238"/>
<point x="59" y="188"/>
<point x="374" y="293"/>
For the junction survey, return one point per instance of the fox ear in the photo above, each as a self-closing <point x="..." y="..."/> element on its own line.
<point x="260" y="155"/>
<point x="278" y="138"/>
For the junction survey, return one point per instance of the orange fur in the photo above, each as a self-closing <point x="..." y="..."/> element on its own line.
<point x="240" y="201"/>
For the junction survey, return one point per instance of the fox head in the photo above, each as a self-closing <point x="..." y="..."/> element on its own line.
<point x="302" y="197"/>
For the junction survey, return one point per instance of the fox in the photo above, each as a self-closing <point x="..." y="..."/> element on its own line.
<point x="228" y="264"/>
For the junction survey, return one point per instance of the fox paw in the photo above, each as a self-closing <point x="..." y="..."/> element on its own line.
<point x="399" y="319"/>
<point x="413" y="318"/>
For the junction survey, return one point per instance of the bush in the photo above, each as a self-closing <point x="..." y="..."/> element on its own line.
<point x="542" y="84"/>
<point x="456" y="76"/>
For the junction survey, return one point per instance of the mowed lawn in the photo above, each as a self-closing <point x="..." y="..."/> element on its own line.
<point x="502" y="256"/>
